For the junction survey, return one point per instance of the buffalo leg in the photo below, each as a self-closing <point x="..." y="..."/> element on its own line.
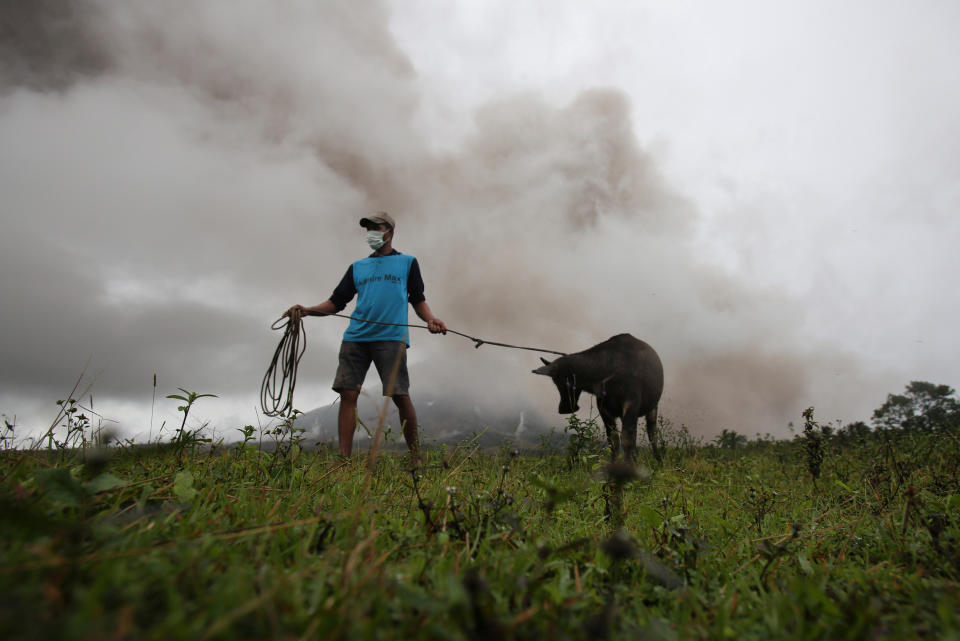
<point x="651" y="419"/>
<point x="629" y="421"/>
<point x="613" y="437"/>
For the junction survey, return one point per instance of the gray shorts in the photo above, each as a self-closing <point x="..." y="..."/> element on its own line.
<point x="355" y="359"/>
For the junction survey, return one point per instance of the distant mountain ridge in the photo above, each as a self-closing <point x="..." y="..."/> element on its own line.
<point x="442" y="420"/>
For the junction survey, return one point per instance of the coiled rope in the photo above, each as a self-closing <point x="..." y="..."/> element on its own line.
<point x="276" y="396"/>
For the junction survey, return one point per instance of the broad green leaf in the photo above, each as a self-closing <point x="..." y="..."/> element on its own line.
<point x="60" y="486"/>
<point x="102" y="483"/>
<point x="183" y="486"/>
<point x="649" y="515"/>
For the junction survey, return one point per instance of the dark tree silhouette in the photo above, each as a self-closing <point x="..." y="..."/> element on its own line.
<point x="729" y="439"/>
<point x="924" y="406"/>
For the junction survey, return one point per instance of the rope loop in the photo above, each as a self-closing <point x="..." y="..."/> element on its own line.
<point x="276" y="391"/>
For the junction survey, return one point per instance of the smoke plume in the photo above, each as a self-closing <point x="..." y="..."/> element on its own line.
<point x="177" y="174"/>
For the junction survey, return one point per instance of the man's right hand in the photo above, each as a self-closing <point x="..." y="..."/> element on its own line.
<point x="297" y="308"/>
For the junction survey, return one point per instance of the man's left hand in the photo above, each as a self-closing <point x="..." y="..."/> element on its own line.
<point x="437" y="326"/>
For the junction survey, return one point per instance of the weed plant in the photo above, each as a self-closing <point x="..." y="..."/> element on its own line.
<point x="198" y="541"/>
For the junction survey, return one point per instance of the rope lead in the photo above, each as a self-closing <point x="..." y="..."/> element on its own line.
<point x="478" y="341"/>
<point x="276" y="396"/>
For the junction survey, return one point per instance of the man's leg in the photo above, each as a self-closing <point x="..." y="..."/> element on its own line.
<point x="354" y="363"/>
<point x="390" y="357"/>
<point x="408" y="418"/>
<point x="347" y="420"/>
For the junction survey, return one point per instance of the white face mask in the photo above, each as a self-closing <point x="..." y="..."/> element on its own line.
<point x="375" y="239"/>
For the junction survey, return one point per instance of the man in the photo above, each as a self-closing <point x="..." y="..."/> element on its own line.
<point x="384" y="283"/>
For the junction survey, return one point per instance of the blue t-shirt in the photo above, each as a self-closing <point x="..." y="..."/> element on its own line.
<point x="384" y="286"/>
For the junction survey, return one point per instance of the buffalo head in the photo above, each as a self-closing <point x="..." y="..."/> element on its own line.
<point x="566" y="382"/>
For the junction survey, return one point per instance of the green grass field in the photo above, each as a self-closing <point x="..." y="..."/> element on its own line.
<point x="193" y="542"/>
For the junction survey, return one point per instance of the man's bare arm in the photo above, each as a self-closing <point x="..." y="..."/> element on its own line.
<point x="323" y="309"/>
<point x="434" y="324"/>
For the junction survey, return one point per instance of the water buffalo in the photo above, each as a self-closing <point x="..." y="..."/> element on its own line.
<point x="625" y="375"/>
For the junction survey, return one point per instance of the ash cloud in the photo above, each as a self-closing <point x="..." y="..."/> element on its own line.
<point x="200" y="168"/>
<point x="48" y="45"/>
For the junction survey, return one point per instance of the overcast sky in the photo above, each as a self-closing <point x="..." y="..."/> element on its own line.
<point x="766" y="192"/>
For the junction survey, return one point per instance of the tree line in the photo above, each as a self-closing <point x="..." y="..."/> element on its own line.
<point x="923" y="407"/>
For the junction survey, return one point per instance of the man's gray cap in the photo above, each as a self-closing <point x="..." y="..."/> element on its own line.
<point x="377" y="218"/>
